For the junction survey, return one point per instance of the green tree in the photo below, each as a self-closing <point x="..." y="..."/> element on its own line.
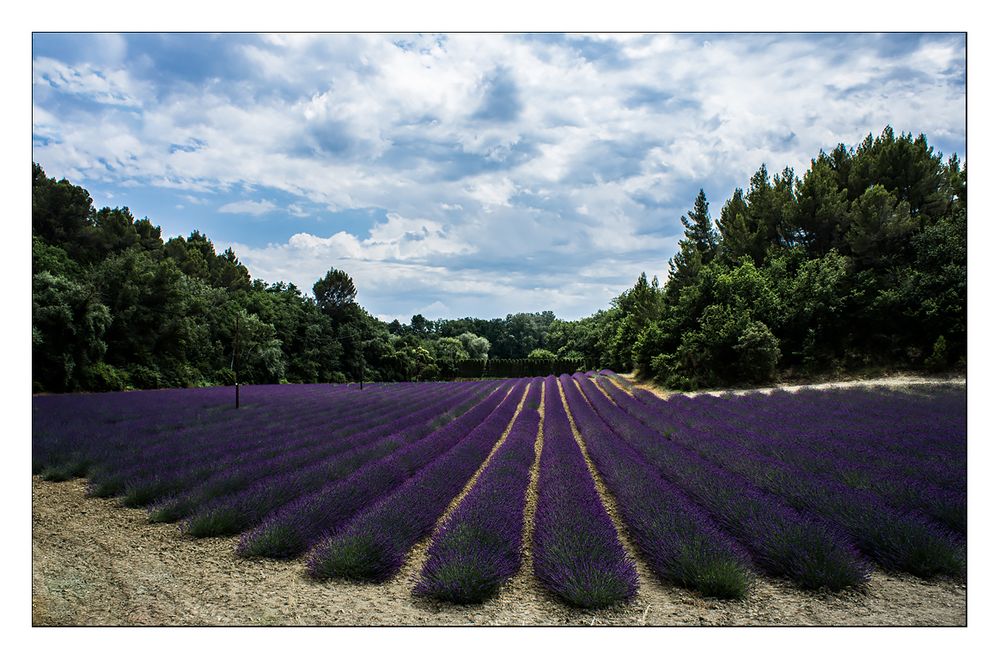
<point x="60" y="212"/>
<point x="630" y="313"/>
<point x="822" y="209"/>
<point x="334" y="292"/>
<point x="448" y="352"/>
<point x="257" y="352"/>
<point x="696" y="248"/>
<point x="68" y="324"/>
<point x="478" y="348"/>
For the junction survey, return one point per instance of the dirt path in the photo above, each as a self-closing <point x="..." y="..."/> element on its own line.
<point x="897" y="382"/>
<point x="95" y="563"/>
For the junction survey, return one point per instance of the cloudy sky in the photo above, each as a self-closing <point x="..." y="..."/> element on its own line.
<point x="456" y="175"/>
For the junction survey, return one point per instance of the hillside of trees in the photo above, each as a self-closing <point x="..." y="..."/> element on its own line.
<point x="861" y="262"/>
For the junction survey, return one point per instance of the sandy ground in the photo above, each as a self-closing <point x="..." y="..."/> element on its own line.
<point x="901" y="381"/>
<point x="96" y="563"/>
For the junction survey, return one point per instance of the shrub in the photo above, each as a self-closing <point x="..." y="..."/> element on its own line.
<point x="938" y="360"/>
<point x="145" y="378"/>
<point x="758" y="353"/>
<point x="103" y="377"/>
<point x="541" y="354"/>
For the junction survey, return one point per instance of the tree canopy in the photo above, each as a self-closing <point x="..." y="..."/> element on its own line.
<point x="858" y="263"/>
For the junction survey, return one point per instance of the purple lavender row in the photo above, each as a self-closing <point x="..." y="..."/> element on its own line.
<point x="829" y="464"/>
<point x="894" y="426"/>
<point x="781" y="540"/>
<point x="66" y="428"/>
<point x="290" y="530"/>
<point x="681" y="542"/>
<point x="901" y="541"/>
<point x="234" y="511"/>
<point x="919" y="465"/>
<point x="576" y="551"/>
<point x="921" y="479"/>
<point x="642" y="411"/>
<point x="121" y="460"/>
<point x="887" y="426"/>
<point x="73" y="433"/>
<point x="293" y="455"/>
<point x="132" y="469"/>
<point x="374" y="544"/>
<point x="479" y="547"/>
<point x="164" y="477"/>
<point x="136" y="422"/>
<point x="894" y="539"/>
<point x="616" y="378"/>
<point x="771" y="439"/>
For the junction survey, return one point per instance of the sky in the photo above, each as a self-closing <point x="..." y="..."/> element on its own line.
<point x="458" y="175"/>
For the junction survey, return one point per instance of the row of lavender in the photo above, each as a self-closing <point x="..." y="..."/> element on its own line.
<point x="223" y="471"/>
<point x="883" y="472"/>
<point x="356" y="480"/>
<point x="710" y="490"/>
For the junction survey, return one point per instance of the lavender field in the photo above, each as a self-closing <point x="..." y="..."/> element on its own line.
<point x="709" y="493"/>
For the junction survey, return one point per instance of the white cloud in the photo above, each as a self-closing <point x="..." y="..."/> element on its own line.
<point x="110" y="86"/>
<point x="248" y="207"/>
<point x="298" y="211"/>
<point x="436" y="310"/>
<point x="594" y="160"/>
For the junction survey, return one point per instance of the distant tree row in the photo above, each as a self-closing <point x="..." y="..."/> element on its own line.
<point x="859" y="263"/>
<point x="116" y="307"/>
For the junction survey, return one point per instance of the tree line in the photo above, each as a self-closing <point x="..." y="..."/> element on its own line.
<point x="858" y="263"/>
<point x="114" y="306"/>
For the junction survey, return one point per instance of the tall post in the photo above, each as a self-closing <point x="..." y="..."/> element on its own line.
<point x="236" y="359"/>
<point x="362" y="365"/>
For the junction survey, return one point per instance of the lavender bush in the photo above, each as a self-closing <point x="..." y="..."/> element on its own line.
<point x="374" y="544"/>
<point x="479" y="546"/>
<point x="290" y="530"/>
<point x="576" y="552"/>
<point x="678" y="539"/>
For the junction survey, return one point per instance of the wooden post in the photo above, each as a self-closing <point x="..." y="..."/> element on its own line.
<point x="236" y="360"/>
<point x="362" y="366"/>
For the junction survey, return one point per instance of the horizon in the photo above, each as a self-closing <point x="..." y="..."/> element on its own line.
<point x="408" y="161"/>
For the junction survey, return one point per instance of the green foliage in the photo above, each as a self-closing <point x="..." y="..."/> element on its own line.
<point x="630" y="312"/>
<point x="196" y="258"/>
<point x="477" y="348"/>
<point x="648" y="346"/>
<point x="861" y="262"/>
<point x="60" y="212"/>
<point x="102" y="377"/>
<point x="68" y="326"/>
<point x="448" y="352"/>
<point x="938" y="360"/>
<point x="696" y="249"/>
<point x="334" y="293"/>
<point x="729" y="347"/>
<point x="757" y="353"/>
<point x="518" y="368"/>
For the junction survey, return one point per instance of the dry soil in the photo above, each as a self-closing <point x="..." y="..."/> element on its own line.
<point x="96" y="563"/>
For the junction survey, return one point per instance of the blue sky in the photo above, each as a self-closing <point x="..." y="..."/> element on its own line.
<point x="466" y="175"/>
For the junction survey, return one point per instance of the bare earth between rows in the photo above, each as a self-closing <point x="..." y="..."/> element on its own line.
<point x="96" y="563"/>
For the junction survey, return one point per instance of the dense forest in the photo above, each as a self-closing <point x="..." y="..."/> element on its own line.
<point x="859" y="263"/>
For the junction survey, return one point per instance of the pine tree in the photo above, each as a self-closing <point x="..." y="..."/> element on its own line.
<point x="697" y="248"/>
<point x="698" y="228"/>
